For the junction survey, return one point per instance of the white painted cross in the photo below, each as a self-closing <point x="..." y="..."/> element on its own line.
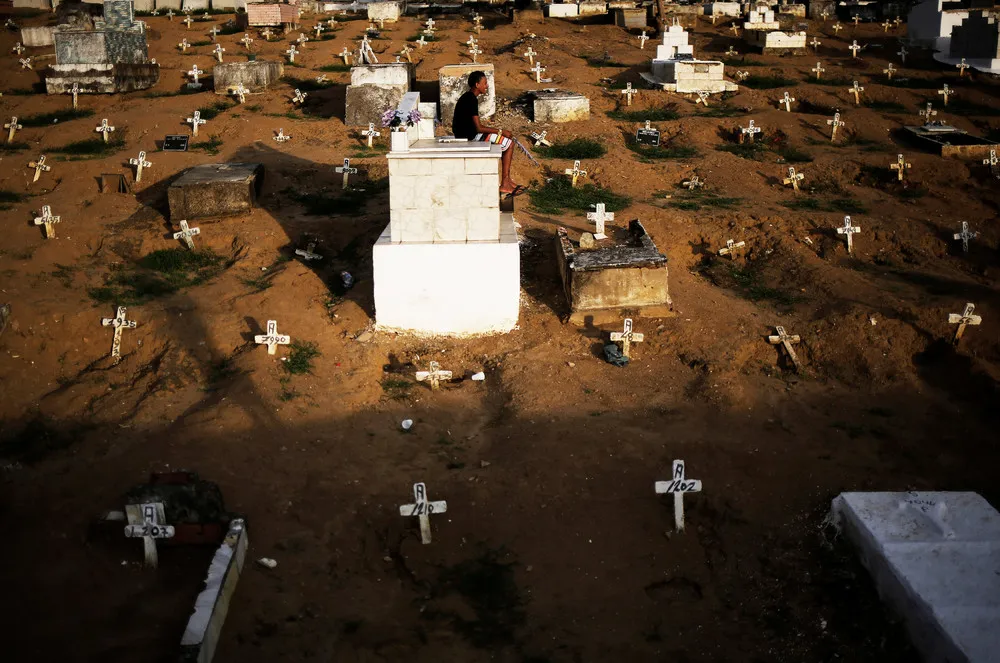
<point x="146" y="521"/>
<point x="732" y="52"/>
<point x="119" y="323"/>
<point x="900" y="166"/>
<point x="240" y="92"/>
<point x="18" y="48"/>
<point x="291" y="53"/>
<point x="539" y="138"/>
<point x="902" y="54"/>
<point x="246" y="41"/>
<point x="693" y="183"/>
<point x="835" y="123"/>
<point x="139" y="163"/>
<point x="370" y="133"/>
<point x="430" y="24"/>
<point x="742" y="75"/>
<point x="195" y="73"/>
<point x="47" y="220"/>
<point x="965" y="235"/>
<point x="471" y="41"/>
<point x="25" y="63"/>
<point x="433" y="376"/>
<point x="815" y="44"/>
<point x="75" y="91"/>
<point x="322" y="78"/>
<point x="643" y="38"/>
<point x="854" y="48"/>
<point x="39" y="166"/>
<point x="538" y="69"/>
<point x="962" y="66"/>
<point x="945" y="92"/>
<point x="735" y="29"/>
<point x="928" y="112"/>
<point x="993" y="160"/>
<point x="281" y="137"/>
<point x="787" y="101"/>
<point x="194" y="121"/>
<point x="966" y="317"/>
<point x="422" y="508"/>
<point x="184" y="45"/>
<point x="886" y="25"/>
<point x="346" y="170"/>
<point x="627" y="337"/>
<point x="12" y="128"/>
<point x="272" y="339"/>
<point x="301" y="41"/>
<point x="732" y="248"/>
<point x="678" y="486"/>
<point x="848" y="230"/>
<point x="889" y="71"/>
<point x="575" y="172"/>
<point x="786" y="340"/>
<point x="405" y="52"/>
<point x="530" y="54"/>
<point x="628" y="92"/>
<point x="318" y="30"/>
<point x="751" y="130"/>
<point x="346" y="54"/>
<point x="219" y="50"/>
<point x="856" y="20"/>
<point x="793" y="178"/>
<point x="299" y="97"/>
<point x="421" y="42"/>
<point x="702" y="98"/>
<point x="818" y="69"/>
<point x="309" y="253"/>
<point x="267" y="34"/>
<point x="599" y="217"/>
<point x="105" y="129"/>
<point x="474" y="52"/>
<point x="214" y="31"/>
<point x="187" y="22"/>
<point x="856" y="90"/>
<point x="185" y="234"/>
<point x="837" y="27"/>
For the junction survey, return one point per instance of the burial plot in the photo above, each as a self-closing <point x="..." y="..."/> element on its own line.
<point x="422" y="508"/>
<point x="675" y="68"/>
<point x="554" y="105"/>
<point x="254" y="76"/>
<point x="215" y="190"/>
<point x="948" y="141"/>
<point x="677" y="486"/>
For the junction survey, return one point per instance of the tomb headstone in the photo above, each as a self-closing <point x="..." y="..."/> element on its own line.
<point x="453" y="82"/>
<point x="254" y="76"/>
<point x="215" y="190"/>
<point x="375" y="88"/>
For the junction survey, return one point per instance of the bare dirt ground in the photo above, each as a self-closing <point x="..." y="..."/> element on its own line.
<point x="554" y="547"/>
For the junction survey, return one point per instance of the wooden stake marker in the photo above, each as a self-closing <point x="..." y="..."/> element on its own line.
<point x="422" y="508"/>
<point x="120" y="324"/>
<point x="889" y="71"/>
<point x="677" y="487"/>
<point x="946" y="91"/>
<point x="786" y="341"/>
<point x="539" y="138"/>
<point x="281" y="137"/>
<point x="964" y="319"/>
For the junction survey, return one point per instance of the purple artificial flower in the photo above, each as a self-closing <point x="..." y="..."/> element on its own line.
<point x="389" y="118"/>
<point x="413" y="117"/>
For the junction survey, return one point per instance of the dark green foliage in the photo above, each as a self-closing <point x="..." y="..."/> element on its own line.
<point x="578" y="148"/>
<point x="91" y="147"/>
<point x="746" y="281"/>
<point x="48" y="119"/>
<point x="300" y="357"/>
<point x="211" y="145"/>
<point x="692" y="201"/>
<point x="157" y="274"/>
<point x="661" y="151"/>
<point x="13" y="147"/>
<point x="662" y="114"/>
<point x="8" y="198"/>
<point x="212" y="112"/>
<point x="335" y="67"/>
<point x="603" y="61"/>
<point x="839" y="205"/>
<point x="397" y="389"/>
<point x="558" y="194"/>
<point x="721" y="110"/>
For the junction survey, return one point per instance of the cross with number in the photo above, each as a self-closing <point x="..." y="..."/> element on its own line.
<point x="39" y="166"/>
<point x="835" y="123"/>
<point x="187" y="22"/>
<point x="422" y="508"/>
<point x="146" y="521"/>
<point x="281" y="137"/>
<point x="965" y="236"/>
<point x="539" y="138"/>
<point x="185" y="234"/>
<point x="119" y="323"/>
<point x="751" y="130"/>
<point x="530" y="54"/>
<point x="139" y="163"/>
<point x="346" y="170"/>
<point x="538" y="69"/>
<point x="962" y="66"/>
<point x="195" y="73"/>
<point x="900" y="166"/>
<point x="18" y="48"/>
<point x="993" y="160"/>
<point x="75" y="91"/>
<point x="786" y="341"/>
<point x="856" y="90"/>
<point x="627" y="337"/>
<point x="240" y="92"/>
<point x="902" y="54"/>
<point x="854" y="48"/>
<point x="599" y="216"/>
<point x="474" y="52"/>
<point x="837" y="27"/>
<point x="848" y="230"/>
<point x="309" y="253"/>
<point x="184" y="45"/>
<point x="818" y="69"/>
<point x="292" y="52"/>
<point x="677" y="487"/>
<point x="815" y="44"/>
<point x="945" y="91"/>
<point x="787" y="101"/>
<point x="928" y="112"/>
<point x="967" y="317"/>
<point x="25" y="63"/>
<point x="322" y="78"/>
<point x="105" y="129"/>
<point x="12" y="128"/>
<point x="434" y="376"/>
<point x="214" y="31"/>
<point x="889" y="71"/>
<point x="194" y="121"/>
<point x="643" y="38"/>
<point x="793" y="178"/>
<point x="272" y="339"/>
<point x="628" y="92"/>
<point x="575" y="172"/>
<point x="370" y="133"/>
<point x="299" y="97"/>
<point x="732" y="248"/>
<point x="47" y="220"/>
<point x="702" y="98"/>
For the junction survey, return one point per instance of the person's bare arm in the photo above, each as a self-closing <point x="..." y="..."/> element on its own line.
<point x="483" y="129"/>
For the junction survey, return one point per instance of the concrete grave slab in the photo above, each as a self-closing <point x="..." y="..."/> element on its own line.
<point x="553" y="105"/>
<point x="255" y="76"/>
<point x="453" y="81"/>
<point x="100" y="78"/>
<point x="563" y="10"/>
<point x="632" y="17"/>
<point x="367" y="103"/>
<point x="38" y="36"/>
<point x="215" y="190"/>
<point x="384" y="11"/>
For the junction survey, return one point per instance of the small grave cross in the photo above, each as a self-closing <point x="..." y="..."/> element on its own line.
<point x="539" y="138"/>
<point x="347" y="170"/>
<point x="575" y="172"/>
<point x="856" y="19"/>
<point x="837" y="27"/>
<point x="889" y="71"/>
<point x="928" y="112"/>
<point x="370" y="133"/>
<point x="322" y="78"/>
<point x="309" y="253"/>
<point x="965" y="235"/>
<point x="702" y="98"/>
<point x="538" y="69"/>
<point x="318" y="29"/>
<point x="900" y="166"/>
<point x="787" y="101"/>
<point x="627" y="337"/>
<point x="849" y="231"/>
<point x="139" y="163"/>
<point x="146" y="521"/>
<point x="993" y="160"/>
<point x="12" y="128"/>
<point x="267" y="34"/>
<point x="732" y="52"/>
<point x="346" y="54"/>
<point x="962" y="66"/>
<point x="945" y="91"/>
<point x="530" y="54"/>
<point x="599" y="216"/>
<point x="629" y="92"/>
<point x="47" y="220"/>
<point x="194" y="121"/>
<point x="422" y="508"/>
<point x="735" y="29"/>
<point x="815" y="44"/>
<point x="678" y="486"/>
<point x="793" y="178"/>
<point x="119" y="323"/>
<point x="219" y="50"/>
<point x="643" y="38"/>
<point x="292" y="52"/>
<point x="301" y="40"/>
<point x="184" y="45"/>
<point x="214" y="31"/>
<point x="170" y="15"/>
<point x="854" y="48"/>
<point x="195" y="73"/>
<point x="471" y="41"/>
<point x="39" y="166"/>
<point x="856" y="90"/>
<point x="835" y="123"/>
<point x="966" y="317"/>
<point x="742" y="75"/>
<point x="902" y="54"/>
<point x="693" y="183"/>
<point x="886" y="25"/>
<point x="786" y="341"/>
<point x="246" y="41"/>
<point x="433" y="376"/>
<point x="732" y="248"/>
<point x="75" y="91"/>
<point x="18" y="48"/>
<point x="187" y="22"/>
<point x="405" y="52"/>
<point x="474" y="52"/>
<point x="272" y="339"/>
<point x="185" y="234"/>
<point x="240" y="92"/>
<point x="25" y="63"/>
<point x="299" y="97"/>
<point x="751" y="130"/>
<point x="430" y="24"/>
<point x="421" y="42"/>
<point x="281" y="137"/>
<point x="105" y="129"/>
<point x="818" y="69"/>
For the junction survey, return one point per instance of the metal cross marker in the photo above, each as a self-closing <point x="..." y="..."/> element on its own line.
<point x="945" y="92"/>
<point x="194" y="121"/>
<point x="856" y="90"/>
<point x="928" y="112"/>
<point x="965" y="236"/>
<point x="105" y="129"/>
<point x="219" y="50"/>
<point x="732" y="248"/>
<point x="299" y="97"/>
<point x="267" y="34"/>
<point x="214" y="31"/>
<point x="119" y="323"/>
<point x="272" y="339"/>
<point x="346" y="170"/>
<point x="139" y="163"/>
<point x="184" y="45"/>
<point x="751" y="130"/>
<point x="370" y="133"/>
<point x="18" y="48"/>
<point x="900" y="166"/>
<point x="628" y="92"/>
<point x="702" y="98"/>
<point x="146" y="521"/>
<point x="575" y="172"/>
<point x="627" y="337"/>
<point x="539" y="138"/>
<point x="12" y="128"/>
<point x="75" y="91"/>
<point x="848" y="230"/>
<point x="786" y="341"/>
<point x="599" y="216"/>
<point x="291" y="53"/>
<point x="309" y="253"/>
<point x="835" y="123"/>
<point x="346" y="54"/>
<point x="39" y="166"/>
<point x="240" y="92"/>
<point x="793" y="178"/>
<point x="815" y="44"/>
<point x="530" y="54"/>
<point x="818" y="69"/>
<point x="902" y="54"/>
<point x="677" y="487"/>
<point x="962" y="66"/>
<point x="889" y="71"/>
<point x="47" y="220"/>
<point x="967" y="317"/>
<point x="643" y="38"/>
<point x="246" y="41"/>
<point x="787" y="101"/>
<point x="185" y="234"/>
<point x="538" y="69"/>
<point x="433" y="376"/>
<point x="281" y="137"/>
<point x="854" y="48"/>
<point x="423" y="509"/>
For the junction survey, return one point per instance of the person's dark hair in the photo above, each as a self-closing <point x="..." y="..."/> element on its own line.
<point x="475" y="77"/>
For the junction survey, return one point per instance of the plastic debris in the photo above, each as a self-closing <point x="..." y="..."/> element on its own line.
<point x="479" y="377"/>
<point x="347" y="280"/>
<point x="267" y="562"/>
<point x="407" y="424"/>
<point x="613" y="355"/>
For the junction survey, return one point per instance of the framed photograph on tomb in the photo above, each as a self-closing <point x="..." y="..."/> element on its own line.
<point x="648" y="137"/>
<point x="175" y="143"/>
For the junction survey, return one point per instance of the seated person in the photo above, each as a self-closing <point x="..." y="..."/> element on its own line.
<point x="466" y="124"/>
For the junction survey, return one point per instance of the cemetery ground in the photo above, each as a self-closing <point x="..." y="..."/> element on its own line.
<point x="554" y="546"/>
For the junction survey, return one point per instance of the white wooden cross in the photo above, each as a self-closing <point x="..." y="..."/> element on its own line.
<point x="732" y="52"/>
<point x="848" y="230"/>
<point x="928" y="112"/>
<point x="246" y="41"/>
<point x="856" y="19"/>
<point x="702" y="98"/>
<point x="732" y="248"/>
<point x="474" y="52"/>
<point x="421" y="42"/>
<point x="139" y="163"/>
<point x="886" y="25"/>
<point x="818" y="69"/>
<point x="643" y="38"/>
<point x="751" y="130"/>
<point x="993" y="160"/>
<point x="18" y="48"/>
<point x="538" y="69"/>
<point x="627" y="337"/>
<point x="105" y="129"/>
<point x="291" y="53"/>
<point x="346" y="170"/>
<point x="299" y="97"/>
<point x="214" y="31"/>
<point x="370" y="133"/>
<point x="966" y="317"/>
<point x="900" y="166"/>
<point x="835" y="123"/>
<point x="422" y="508"/>
<point x="965" y="236"/>
<point x="346" y="54"/>
<point x="945" y="92"/>
<point x="240" y="92"/>
<point x="194" y="121"/>
<point x="854" y="48"/>
<point x="433" y="376"/>
<point x="195" y="73"/>
<point x="539" y="138"/>
<point x="793" y="178"/>
<point x="185" y="234"/>
<point x="187" y="22"/>
<point x="962" y="66"/>
<point x="742" y="75"/>
<point x="693" y="183"/>
<point x="837" y="27"/>
<point x="530" y="54"/>
<point x="898" y="21"/>
<point x="902" y="54"/>
<point x="856" y="90"/>
<point x="301" y="41"/>
<point x="599" y="216"/>
<point x="678" y="486"/>
<point x="272" y="339"/>
<point x="184" y="45"/>
<point x="322" y="78"/>
<point x="430" y="24"/>
<point x="47" y="220"/>
<point x="787" y="101"/>
<point x="405" y="52"/>
<point x="147" y="521"/>
<point x="75" y="91"/>
<point x="12" y="128"/>
<point x="39" y="166"/>
<point x="309" y="253"/>
<point x="628" y="92"/>
<point x="735" y="29"/>
<point x="786" y="341"/>
<point x="281" y="137"/>
<point x="119" y="323"/>
<point x="815" y="44"/>
<point x="477" y="20"/>
<point x="332" y="23"/>
<point x="25" y="63"/>
<point x="318" y="29"/>
<point x="825" y="14"/>
<point x="471" y="41"/>
<point x="267" y="34"/>
<point x="889" y="71"/>
<point x="219" y="50"/>
<point x="575" y="172"/>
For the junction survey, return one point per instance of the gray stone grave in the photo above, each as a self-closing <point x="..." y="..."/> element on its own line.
<point x="375" y="88"/>
<point x="255" y="76"/>
<point x="553" y="105"/>
<point x="215" y="190"/>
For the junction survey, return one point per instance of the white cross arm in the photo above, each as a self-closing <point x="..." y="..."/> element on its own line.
<point x="279" y="339"/>
<point x="441" y="375"/>
<point x="678" y="486"/>
<point x="632" y="336"/>
<point x="955" y="318"/>
<point x="423" y="507"/>
<point x="151" y="530"/>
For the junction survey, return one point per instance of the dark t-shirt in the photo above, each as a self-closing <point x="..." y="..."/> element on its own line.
<point x="462" y="125"/>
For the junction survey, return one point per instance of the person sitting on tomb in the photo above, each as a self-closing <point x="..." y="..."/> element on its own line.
<point x="466" y="124"/>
